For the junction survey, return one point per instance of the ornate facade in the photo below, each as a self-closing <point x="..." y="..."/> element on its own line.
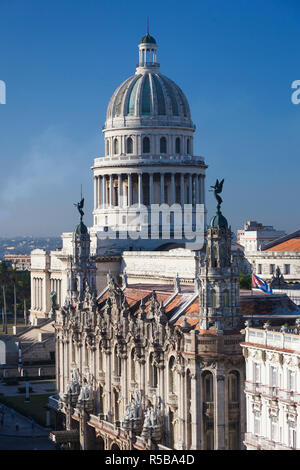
<point x="272" y="387"/>
<point x="147" y="367"/>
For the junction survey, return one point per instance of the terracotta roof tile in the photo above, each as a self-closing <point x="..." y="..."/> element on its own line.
<point x="289" y="245"/>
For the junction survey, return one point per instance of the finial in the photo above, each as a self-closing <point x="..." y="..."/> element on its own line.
<point x="147" y="24"/>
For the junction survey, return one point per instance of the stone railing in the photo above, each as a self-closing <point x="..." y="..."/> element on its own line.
<point x="275" y="339"/>
<point x="252" y="387"/>
<point x="147" y="159"/>
<point x="263" y="443"/>
<point x="209" y="409"/>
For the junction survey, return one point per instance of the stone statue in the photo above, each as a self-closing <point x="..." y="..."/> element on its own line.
<point x="218" y="187"/>
<point x="53" y="297"/>
<point x="79" y="206"/>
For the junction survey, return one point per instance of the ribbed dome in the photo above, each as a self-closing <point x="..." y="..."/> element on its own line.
<point x="150" y="94"/>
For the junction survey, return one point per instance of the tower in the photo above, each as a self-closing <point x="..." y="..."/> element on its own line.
<point x="81" y="269"/>
<point x="219" y="306"/>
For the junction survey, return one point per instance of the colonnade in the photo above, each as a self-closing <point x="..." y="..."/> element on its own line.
<point x="123" y="190"/>
<point x="37" y="293"/>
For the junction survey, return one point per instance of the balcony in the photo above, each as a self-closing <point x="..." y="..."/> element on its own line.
<point x="234" y="410"/>
<point x="262" y="443"/>
<point x="173" y="399"/>
<point x="271" y="392"/>
<point x="209" y="409"/>
<point x="252" y="387"/>
<point x="289" y="396"/>
<point x="116" y="380"/>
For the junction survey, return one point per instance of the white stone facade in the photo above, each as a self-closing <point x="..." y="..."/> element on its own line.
<point x="264" y="264"/>
<point x="272" y="388"/>
<point x="255" y="235"/>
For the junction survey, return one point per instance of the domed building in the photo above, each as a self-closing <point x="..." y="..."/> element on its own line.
<point x="148" y="161"/>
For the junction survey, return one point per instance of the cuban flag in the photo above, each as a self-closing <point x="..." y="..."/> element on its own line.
<point x="258" y="283"/>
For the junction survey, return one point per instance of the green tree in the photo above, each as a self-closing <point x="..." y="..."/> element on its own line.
<point x="245" y="281"/>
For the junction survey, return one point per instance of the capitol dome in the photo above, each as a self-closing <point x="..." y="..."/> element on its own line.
<point x="150" y="95"/>
<point x="148" y="98"/>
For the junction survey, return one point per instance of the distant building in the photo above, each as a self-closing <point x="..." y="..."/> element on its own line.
<point x="272" y="388"/>
<point x="30" y="352"/>
<point x="18" y="262"/>
<point x="255" y="235"/>
<point x="284" y="253"/>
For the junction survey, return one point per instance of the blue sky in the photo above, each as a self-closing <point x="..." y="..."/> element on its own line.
<point x="62" y="59"/>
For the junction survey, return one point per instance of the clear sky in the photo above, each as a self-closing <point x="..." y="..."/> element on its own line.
<point x="62" y="59"/>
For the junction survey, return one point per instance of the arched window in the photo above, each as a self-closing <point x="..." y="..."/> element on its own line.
<point x="129" y="145"/>
<point x="146" y="145"/>
<point x="171" y="374"/>
<point x="213" y="298"/>
<point x="152" y="372"/>
<point x="132" y="366"/>
<point x="116" y="405"/>
<point x="208" y="387"/>
<point x="177" y="145"/>
<point x="188" y="147"/>
<point x="107" y="147"/>
<point x="116" y="146"/>
<point x="118" y="364"/>
<point x="225" y="298"/>
<point x="233" y="386"/>
<point x="163" y="145"/>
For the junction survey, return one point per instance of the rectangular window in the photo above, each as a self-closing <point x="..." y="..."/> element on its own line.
<point x="273" y="429"/>
<point x="273" y="377"/>
<point x="272" y="268"/>
<point x="259" y="270"/>
<point x="291" y="381"/>
<point x="256" y="373"/>
<point x="286" y="269"/>
<point x="256" y="425"/>
<point x="292" y="437"/>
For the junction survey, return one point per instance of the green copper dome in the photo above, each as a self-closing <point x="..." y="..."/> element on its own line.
<point x="148" y="39"/>
<point x="218" y="221"/>
<point x="81" y="229"/>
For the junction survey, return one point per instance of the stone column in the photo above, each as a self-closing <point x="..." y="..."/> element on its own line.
<point x="129" y="200"/>
<point x="194" y="410"/>
<point x="100" y="202"/>
<point x="196" y="189"/>
<point x="95" y="192"/>
<point x="182" y="189"/>
<point x="140" y="189"/>
<point x="151" y="188"/>
<point x="103" y="191"/>
<point x="120" y="202"/>
<point x="172" y="188"/>
<point x="110" y="190"/>
<point x="190" y="189"/>
<point x="219" y="407"/>
<point x="182" y="404"/>
<point x="202" y="189"/>
<point x="162" y="188"/>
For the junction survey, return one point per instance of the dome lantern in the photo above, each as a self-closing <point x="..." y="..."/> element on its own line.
<point x="147" y="52"/>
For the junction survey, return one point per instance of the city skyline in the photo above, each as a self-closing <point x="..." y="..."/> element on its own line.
<point x="235" y="63"/>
